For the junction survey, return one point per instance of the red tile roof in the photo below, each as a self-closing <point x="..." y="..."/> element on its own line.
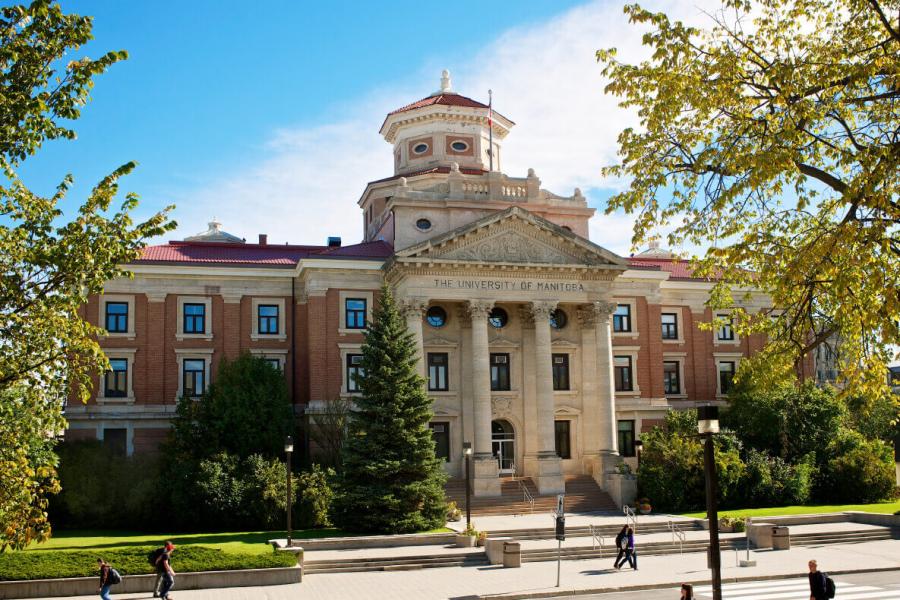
<point x="463" y="170"/>
<point x="269" y="255"/>
<point x="445" y="99"/>
<point x="679" y="269"/>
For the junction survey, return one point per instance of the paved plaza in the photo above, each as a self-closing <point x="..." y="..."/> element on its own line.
<point x="539" y="579"/>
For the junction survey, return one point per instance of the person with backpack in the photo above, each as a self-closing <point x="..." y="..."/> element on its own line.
<point x="630" y="554"/>
<point x="821" y="586"/>
<point x="621" y="545"/>
<point x="108" y="577"/>
<point x="153" y="558"/>
<point x="164" y="568"/>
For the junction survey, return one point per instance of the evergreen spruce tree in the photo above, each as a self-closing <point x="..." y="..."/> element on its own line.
<point x="391" y="482"/>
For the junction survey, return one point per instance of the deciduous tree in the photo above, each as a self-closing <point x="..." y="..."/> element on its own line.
<point x="773" y="137"/>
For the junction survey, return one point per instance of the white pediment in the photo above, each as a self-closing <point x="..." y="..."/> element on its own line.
<point x="514" y="236"/>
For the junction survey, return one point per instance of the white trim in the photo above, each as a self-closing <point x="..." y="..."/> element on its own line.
<point x="679" y="323"/>
<point x="274" y="354"/>
<point x="345" y="350"/>
<point x="255" y="335"/>
<point x="631" y="351"/>
<point x="373" y="264"/>
<point x="632" y="316"/>
<point x="103" y="299"/>
<point x="682" y="387"/>
<point x="343" y="295"/>
<point x="725" y="357"/>
<point x="716" y="341"/>
<point x="127" y="354"/>
<point x="207" y="318"/>
<point x="129" y="434"/>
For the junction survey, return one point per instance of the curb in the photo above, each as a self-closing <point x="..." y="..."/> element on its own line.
<point x="658" y="586"/>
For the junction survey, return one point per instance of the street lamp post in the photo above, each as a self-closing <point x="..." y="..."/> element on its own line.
<point x="289" y="449"/>
<point x="707" y="427"/>
<point x="638" y="448"/>
<point x="467" y="451"/>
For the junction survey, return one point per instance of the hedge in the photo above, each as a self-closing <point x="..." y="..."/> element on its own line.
<point x="49" y="564"/>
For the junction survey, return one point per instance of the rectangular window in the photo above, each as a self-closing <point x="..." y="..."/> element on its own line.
<point x="117" y="317"/>
<point x="437" y="372"/>
<point x="626" y="438"/>
<point x="669" y="326"/>
<point x="267" y="314"/>
<point x="563" y="446"/>
<point x="194" y="318"/>
<point x="274" y="363"/>
<point x="116" y="440"/>
<point x="726" y="332"/>
<point x="440" y="432"/>
<point x="355" y="313"/>
<point x="194" y="376"/>
<point x="116" y="384"/>
<point x="671" y="377"/>
<point x="561" y="372"/>
<point x="726" y="376"/>
<point x="355" y="372"/>
<point x="499" y="372"/>
<point x="622" y="318"/>
<point x="624" y="382"/>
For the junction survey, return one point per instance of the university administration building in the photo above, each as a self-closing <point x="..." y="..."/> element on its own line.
<point x="547" y="352"/>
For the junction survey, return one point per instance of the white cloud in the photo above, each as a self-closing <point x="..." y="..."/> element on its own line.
<point x="544" y="77"/>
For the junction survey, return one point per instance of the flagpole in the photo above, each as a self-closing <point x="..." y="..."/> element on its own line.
<point x="491" y="128"/>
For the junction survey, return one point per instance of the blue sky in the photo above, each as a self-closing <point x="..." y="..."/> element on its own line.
<point x="269" y="119"/>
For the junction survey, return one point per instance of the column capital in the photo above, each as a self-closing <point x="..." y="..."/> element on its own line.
<point x="526" y="317"/>
<point x="543" y="309"/>
<point x="604" y="310"/>
<point x="587" y="316"/>
<point x="479" y="309"/>
<point x="413" y="307"/>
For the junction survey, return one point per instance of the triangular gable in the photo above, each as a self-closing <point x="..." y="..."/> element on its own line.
<point x="514" y="235"/>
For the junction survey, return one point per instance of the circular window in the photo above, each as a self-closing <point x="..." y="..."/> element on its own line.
<point x="421" y="148"/>
<point x="423" y="224"/>
<point x="459" y="146"/>
<point x="498" y="318"/>
<point x="558" y="319"/>
<point x="436" y="316"/>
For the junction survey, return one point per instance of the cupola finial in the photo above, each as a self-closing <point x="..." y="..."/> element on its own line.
<point x="446" y="86"/>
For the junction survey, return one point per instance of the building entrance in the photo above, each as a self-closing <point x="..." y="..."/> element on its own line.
<point x="503" y="446"/>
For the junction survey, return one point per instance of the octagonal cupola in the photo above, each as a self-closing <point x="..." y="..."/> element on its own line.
<point x="445" y="128"/>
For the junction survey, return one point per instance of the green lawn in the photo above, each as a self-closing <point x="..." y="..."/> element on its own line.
<point x="808" y="509"/>
<point x="244" y="542"/>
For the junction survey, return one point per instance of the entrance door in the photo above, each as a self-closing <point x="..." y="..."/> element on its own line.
<point x="503" y="446"/>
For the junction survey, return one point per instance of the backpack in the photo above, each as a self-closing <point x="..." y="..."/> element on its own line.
<point x="113" y="577"/>
<point x="622" y="541"/>
<point x="153" y="556"/>
<point x="829" y="587"/>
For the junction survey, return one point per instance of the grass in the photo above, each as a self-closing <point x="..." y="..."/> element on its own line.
<point x="806" y="509"/>
<point x="130" y="561"/>
<point x="243" y="542"/>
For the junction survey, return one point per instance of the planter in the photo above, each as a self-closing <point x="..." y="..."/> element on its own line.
<point x="465" y="541"/>
<point x="645" y="509"/>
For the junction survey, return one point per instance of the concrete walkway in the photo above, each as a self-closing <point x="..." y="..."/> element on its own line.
<point x="540" y="578"/>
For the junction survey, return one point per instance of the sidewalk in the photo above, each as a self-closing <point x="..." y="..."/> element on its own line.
<point x="540" y="578"/>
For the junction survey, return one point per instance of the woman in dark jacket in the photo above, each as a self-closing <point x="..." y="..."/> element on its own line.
<point x="687" y="591"/>
<point x="104" y="579"/>
<point x="621" y="544"/>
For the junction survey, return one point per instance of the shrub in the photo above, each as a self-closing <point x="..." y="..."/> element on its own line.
<point x="316" y="494"/>
<point x="858" y="470"/>
<point x="103" y="490"/>
<point x="48" y="564"/>
<point x="770" y="481"/>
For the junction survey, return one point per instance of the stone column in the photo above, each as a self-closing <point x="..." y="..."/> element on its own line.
<point x="487" y="481"/>
<point x="590" y="410"/>
<point x="550" y="479"/>
<point x="414" y="311"/>
<point x="606" y="391"/>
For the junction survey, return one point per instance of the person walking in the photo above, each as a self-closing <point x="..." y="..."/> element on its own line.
<point x="621" y="544"/>
<point x="629" y="548"/>
<point x="104" y="579"/>
<point x="817" y="589"/>
<point x="165" y="569"/>
<point x="687" y="591"/>
<point x="155" y="556"/>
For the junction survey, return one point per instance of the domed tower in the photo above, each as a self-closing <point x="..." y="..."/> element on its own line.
<point x="445" y="128"/>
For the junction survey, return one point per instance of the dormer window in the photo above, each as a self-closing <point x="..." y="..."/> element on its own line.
<point x="420" y="148"/>
<point x="459" y="146"/>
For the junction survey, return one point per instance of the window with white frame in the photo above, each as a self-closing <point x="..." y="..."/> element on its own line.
<point x="725" y="333"/>
<point x="672" y="377"/>
<point x="438" y="377"/>
<point x="727" y="370"/>
<point x="624" y="377"/>
<point x="622" y="318"/>
<point x="355" y="372"/>
<point x="560" y="372"/>
<point x="669" y="326"/>
<point x="193" y="373"/>
<point x="117" y="315"/>
<point x="115" y="384"/>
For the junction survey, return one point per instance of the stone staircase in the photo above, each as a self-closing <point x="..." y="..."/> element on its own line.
<point x="582" y="495"/>
<point x="433" y="556"/>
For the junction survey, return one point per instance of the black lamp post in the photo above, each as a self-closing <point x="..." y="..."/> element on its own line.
<point x="707" y="427"/>
<point x="289" y="449"/>
<point x="638" y="447"/>
<point x="467" y="451"/>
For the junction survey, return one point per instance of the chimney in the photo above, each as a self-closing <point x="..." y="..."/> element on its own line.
<point x="334" y="242"/>
<point x="263" y="239"/>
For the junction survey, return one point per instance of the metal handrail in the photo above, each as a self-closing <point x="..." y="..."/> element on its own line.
<point x="526" y="495"/>
<point x="630" y="516"/>
<point x="677" y="533"/>
<point x="596" y="538"/>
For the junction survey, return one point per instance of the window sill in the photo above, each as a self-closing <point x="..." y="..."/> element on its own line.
<point x="629" y="394"/>
<point x="116" y="400"/>
<point x="350" y="395"/>
<point x="677" y="396"/>
<point x="193" y="336"/>
<point x="346" y="331"/>
<point x="127" y="336"/>
<point x="256" y="337"/>
<point x="565" y="392"/>
<point x="726" y="342"/>
<point x="675" y="341"/>
<point x="626" y="334"/>
<point x="444" y="393"/>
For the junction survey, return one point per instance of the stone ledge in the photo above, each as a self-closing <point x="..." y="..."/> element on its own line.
<point x="375" y="541"/>
<point x="87" y="586"/>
